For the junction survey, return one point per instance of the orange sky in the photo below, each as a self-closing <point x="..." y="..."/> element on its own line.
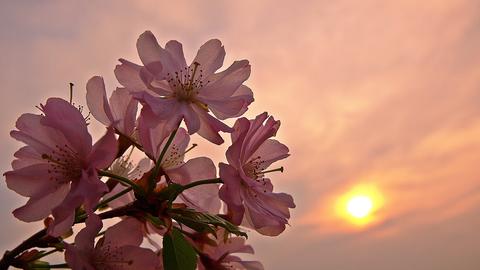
<point x="384" y="93"/>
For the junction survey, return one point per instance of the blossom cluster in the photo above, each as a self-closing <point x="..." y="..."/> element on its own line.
<point x="199" y="215"/>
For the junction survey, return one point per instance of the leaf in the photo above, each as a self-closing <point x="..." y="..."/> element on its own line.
<point x="157" y="222"/>
<point x="194" y="224"/>
<point x="199" y="221"/>
<point x="178" y="254"/>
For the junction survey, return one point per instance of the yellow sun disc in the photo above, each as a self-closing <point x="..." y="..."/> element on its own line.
<point x="359" y="206"/>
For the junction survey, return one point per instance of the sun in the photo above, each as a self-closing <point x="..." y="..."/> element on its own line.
<point x="359" y="206"/>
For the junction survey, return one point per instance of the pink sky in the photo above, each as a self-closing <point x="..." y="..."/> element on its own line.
<point x="378" y="92"/>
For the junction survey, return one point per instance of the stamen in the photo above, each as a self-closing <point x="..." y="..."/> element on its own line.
<point x="269" y="171"/>
<point x="193" y="146"/>
<point x="71" y="92"/>
<point x="195" y="64"/>
<point x="64" y="164"/>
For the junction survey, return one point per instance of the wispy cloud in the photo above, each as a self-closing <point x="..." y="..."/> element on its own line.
<point x="384" y="92"/>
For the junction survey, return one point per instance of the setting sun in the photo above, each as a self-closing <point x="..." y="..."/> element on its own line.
<point x="359" y="206"/>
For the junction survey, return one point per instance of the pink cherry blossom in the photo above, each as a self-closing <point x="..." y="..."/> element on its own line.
<point x="202" y="198"/>
<point x="124" y="167"/>
<point x="57" y="169"/>
<point x="246" y="191"/>
<point x="118" y="249"/>
<point x="219" y="256"/>
<point x="174" y="91"/>
<point x="120" y="111"/>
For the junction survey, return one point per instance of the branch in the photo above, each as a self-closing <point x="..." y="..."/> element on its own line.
<point x="9" y="256"/>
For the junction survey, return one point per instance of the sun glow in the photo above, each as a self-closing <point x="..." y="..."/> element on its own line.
<point x="360" y="205"/>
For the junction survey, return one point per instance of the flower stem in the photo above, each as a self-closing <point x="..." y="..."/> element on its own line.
<point x="191" y="185"/>
<point x="35" y="240"/>
<point x="156" y="171"/>
<point x="123" y="180"/>
<point x="9" y="256"/>
<point x="202" y="182"/>
<point x="117" y="212"/>
<point x="114" y="197"/>
<point x="47" y="253"/>
<point x="62" y="265"/>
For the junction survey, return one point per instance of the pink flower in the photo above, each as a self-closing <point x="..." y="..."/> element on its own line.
<point x="247" y="193"/>
<point x="57" y="169"/>
<point x="118" y="249"/>
<point x="203" y="197"/>
<point x="219" y="256"/>
<point x="177" y="91"/>
<point x="125" y="168"/>
<point x="120" y="112"/>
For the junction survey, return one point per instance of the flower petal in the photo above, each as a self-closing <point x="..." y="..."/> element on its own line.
<point x="61" y="115"/>
<point x="124" y="111"/>
<point x="148" y="48"/>
<point x="87" y="191"/>
<point x="26" y="156"/>
<point x="41" y="138"/>
<point x="174" y="155"/>
<point x="137" y="258"/>
<point x="176" y="51"/>
<point x="128" y="75"/>
<point x="192" y="119"/>
<point x="40" y="206"/>
<point x="151" y="133"/>
<point x="32" y="180"/>
<point x="126" y="232"/>
<point x="85" y="239"/>
<point x="258" y="133"/>
<point x="229" y="192"/>
<point x="231" y="107"/>
<point x="210" y="56"/>
<point x="241" y="129"/>
<point x="226" y="83"/>
<point x="268" y="213"/>
<point x="203" y="197"/>
<point x="210" y="126"/>
<point x="104" y="151"/>
<point x="80" y="255"/>
<point x="150" y="52"/>
<point x="269" y="152"/>
<point x="97" y="101"/>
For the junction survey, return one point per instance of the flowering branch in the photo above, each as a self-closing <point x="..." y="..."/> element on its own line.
<point x="9" y="256"/>
<point x="60" y="170"/>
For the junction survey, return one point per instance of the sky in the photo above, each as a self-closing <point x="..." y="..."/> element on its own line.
<point x="381" y="95"/>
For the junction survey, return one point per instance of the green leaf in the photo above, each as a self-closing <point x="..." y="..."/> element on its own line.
<point x="178" y="254"/>
<point x="199" y="221"/>
<point x="157" y="222"/>
<point x="195" y="224"/>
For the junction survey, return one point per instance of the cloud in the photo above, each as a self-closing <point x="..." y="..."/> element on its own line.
<point x="384" y="92"/>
